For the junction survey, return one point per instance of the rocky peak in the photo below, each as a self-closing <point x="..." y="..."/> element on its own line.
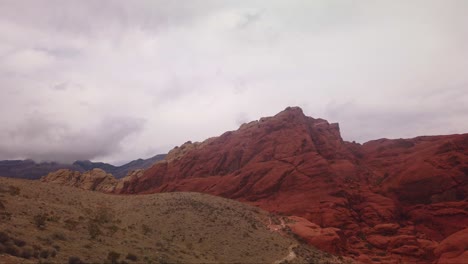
<point x="291" y="113"/>
<point x="287" y="136"/>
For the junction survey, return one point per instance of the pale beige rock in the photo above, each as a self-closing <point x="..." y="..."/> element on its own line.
<point x="95" y="180"/>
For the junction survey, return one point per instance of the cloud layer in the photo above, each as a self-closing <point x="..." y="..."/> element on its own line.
<point x="118" y="80"/>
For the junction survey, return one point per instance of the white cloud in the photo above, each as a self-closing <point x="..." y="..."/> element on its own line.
<point x="195" y="70"/>
<point x="26" y="61"/>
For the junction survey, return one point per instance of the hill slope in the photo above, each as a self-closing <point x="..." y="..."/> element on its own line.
<point x="53" y="223"/>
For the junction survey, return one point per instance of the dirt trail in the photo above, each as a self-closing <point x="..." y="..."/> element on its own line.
<point x="290" y="257"/>
<point x="276" y="228"/>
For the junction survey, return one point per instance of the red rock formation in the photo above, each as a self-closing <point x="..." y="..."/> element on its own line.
<point x="329" y="239"/>
<point x="385" y="201"/>
<point x="453" y="249"/>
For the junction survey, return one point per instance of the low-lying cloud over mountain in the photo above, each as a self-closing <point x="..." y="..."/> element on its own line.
<point x="117" y="80"/>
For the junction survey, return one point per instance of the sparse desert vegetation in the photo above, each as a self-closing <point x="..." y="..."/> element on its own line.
<point x="58" y="224"/>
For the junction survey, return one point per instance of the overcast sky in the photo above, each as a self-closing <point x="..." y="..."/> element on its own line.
<point x="119" y="80"/>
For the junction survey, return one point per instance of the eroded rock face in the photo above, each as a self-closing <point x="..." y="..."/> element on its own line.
<point x="96" y="179"/>
<point x="422" y="170"/>
<point x="453" y="249"/>
<point x="384" y="201"/>
<point x="329" y="239"/>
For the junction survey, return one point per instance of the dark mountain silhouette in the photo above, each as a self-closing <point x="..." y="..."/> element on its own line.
<point x="29" y="169"/>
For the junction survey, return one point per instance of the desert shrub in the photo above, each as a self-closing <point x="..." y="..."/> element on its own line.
<point x="59" y="236"/>
<point x="93" y="229"/>
<point x="5" y="216"/>
<point x="146" y="229"/>
<point x="19" y="242"/>
<point x="4" y="237"/>
<point x="12" y="249"/>
<point x="13" y="190"/>
<point x="53" y="218"/>
<point x="88" y="246"/>
<point x="45" y="240"/>
<point x="132" y="257"/>
<point x="113" y="257"/>
<point x="103" y="215"/>
<point x="44" y="253"/>
<point x="71" y="224"/>
<point x="40" y="220"/>
<point x="27" y="252"/>
<point x="113" y="229"/>
<point x="74" y="260"/>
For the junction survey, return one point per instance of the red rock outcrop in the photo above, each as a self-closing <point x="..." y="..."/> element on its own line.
<point x="384" y="201"/>
<point x="453" y="249"/>
<point x="329" y="239"/>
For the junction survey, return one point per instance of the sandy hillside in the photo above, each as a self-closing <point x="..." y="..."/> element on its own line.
<point x="51" y="223"/>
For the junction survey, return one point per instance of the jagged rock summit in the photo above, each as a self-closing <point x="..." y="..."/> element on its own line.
<point x="383" y="201"/>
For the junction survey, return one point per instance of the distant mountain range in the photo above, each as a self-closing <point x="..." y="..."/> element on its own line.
<point x="29" y="169"/>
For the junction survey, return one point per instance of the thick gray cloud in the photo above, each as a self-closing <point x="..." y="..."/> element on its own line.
<point x="48" y="140"/>
<point x="115" y="80"/>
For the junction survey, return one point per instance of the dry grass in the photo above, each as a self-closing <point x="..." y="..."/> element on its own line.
<point x="50" y="223"/>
